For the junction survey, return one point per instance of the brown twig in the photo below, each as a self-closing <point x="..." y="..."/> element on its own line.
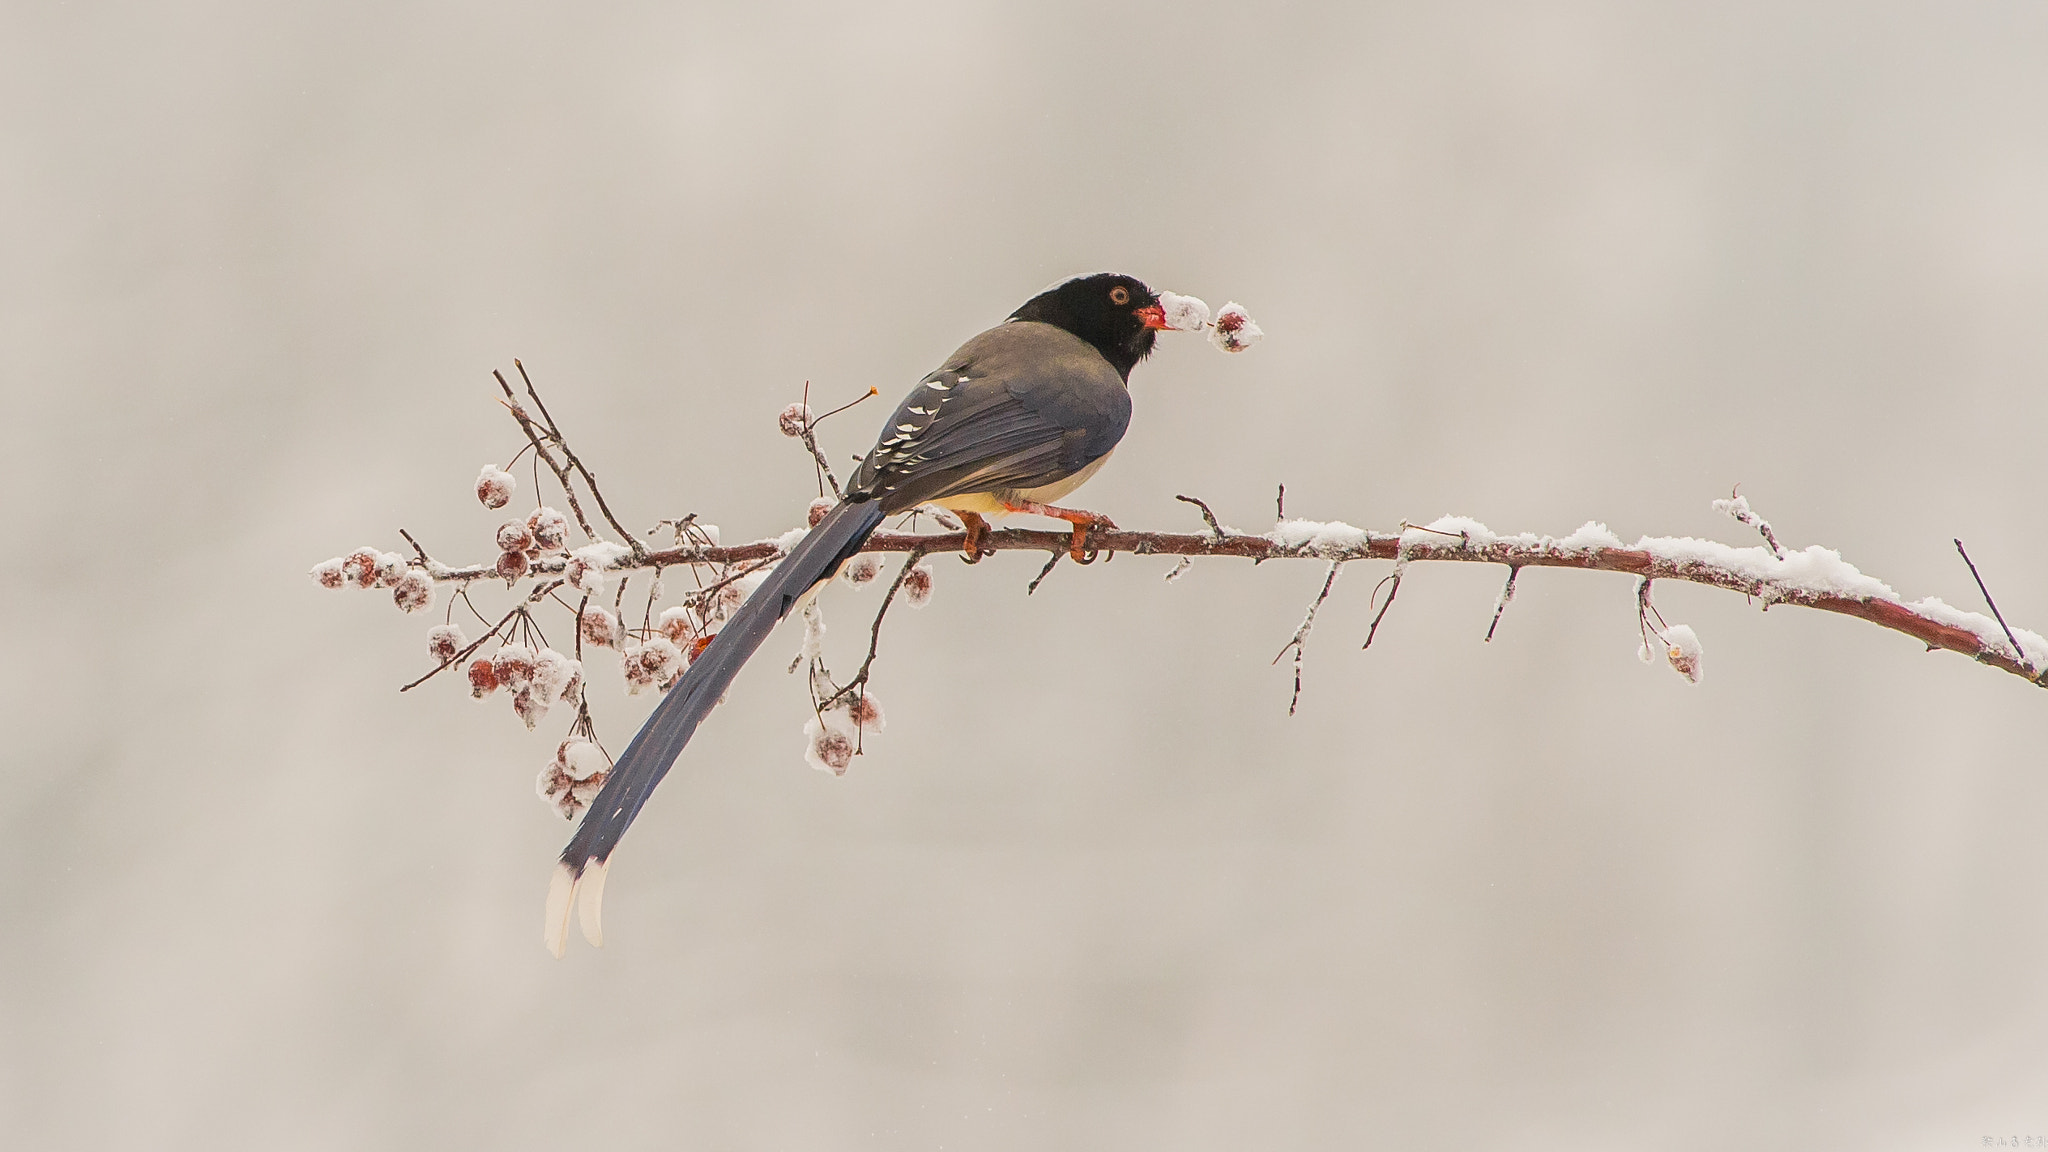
<point x="860" y="678"/>
<point x="1206" y="514"/>
<point x="1308" y="621"/>
<point x="1044" y="572"/>
<point x="519" y="610"/>
<point x="569" y="455"/>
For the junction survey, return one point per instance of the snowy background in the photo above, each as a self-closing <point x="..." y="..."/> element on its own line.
<point x="1093" y="888"/>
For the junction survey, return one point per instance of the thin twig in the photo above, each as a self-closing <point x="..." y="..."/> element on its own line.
<point x="1995" y="613"/>
<point x="1308" y="621"/>
<point x="1206" y="514"/>
<point x="569" y="454"/>
<point x="1395" y="590"/>
<point x="860" y="678"/>
<point x="1044" y="572"/>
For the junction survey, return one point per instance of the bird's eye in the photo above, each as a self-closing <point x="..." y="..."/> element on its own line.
<point x="1119" y="295"/>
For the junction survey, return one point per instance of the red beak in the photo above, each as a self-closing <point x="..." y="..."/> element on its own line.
<point x="1154" y="316"/>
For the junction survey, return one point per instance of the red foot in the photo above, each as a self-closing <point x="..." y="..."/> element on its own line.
<point x="1081" y="520"/>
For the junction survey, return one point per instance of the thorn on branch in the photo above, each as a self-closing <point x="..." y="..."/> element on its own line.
<point x="2018" y="652"/>
<point x="1507" y="595"/>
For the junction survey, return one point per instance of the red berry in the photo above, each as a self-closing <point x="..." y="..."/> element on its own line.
<point x="483" y="679"/>
<point x="514" y="536"/>
<point x="444" y="642"/>
<point x="512" y="565"/>
<point x="413" y="591"/>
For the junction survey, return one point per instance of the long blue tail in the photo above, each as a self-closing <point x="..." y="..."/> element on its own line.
<point x="648" y="758"/>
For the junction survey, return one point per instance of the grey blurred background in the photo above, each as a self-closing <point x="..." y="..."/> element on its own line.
<point x="1530" y="263"/>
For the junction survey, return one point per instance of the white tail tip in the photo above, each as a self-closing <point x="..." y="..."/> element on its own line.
<point x="590" y="908"/>
<point x="561" y="894"/>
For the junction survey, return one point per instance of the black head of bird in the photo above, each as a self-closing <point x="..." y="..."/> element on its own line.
<point x="1115" y="313"/>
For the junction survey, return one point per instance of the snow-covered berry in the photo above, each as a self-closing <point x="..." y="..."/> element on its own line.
<point x="917" y="586"/>
<point x="572" y="692"/>
<point x="1682" y="651"/>
<point x="513" y="565"/>
<point x="552" y="672"/>
<point x="656" y="662"/>
<point x="819" y="507"/>
<point x="861" y="568"/>
<point x="483" y="678"/>
<point x="414" y="591"/>
<point x="329" y="573"/>
<point x="676" y="624"/>
<point x="601" y="627"/>
<point x="1184" y="313"/>
<point x="514" y="536"/>
<point x="550" y="529"/>
<point x="575" y="776"/>
<point x="867" y="713"/>
<point x="494" y="487"/>
<point x="444" y="641"/>
<point x="390" y="569"/>
<point x="360" y="567"/>
<point x="830" y="750"/>
<point x="581" y="759"/>
<point x="529" y="707"/>
<point x="1234" y="330"/>
<point x="514" y="665"/>
<point x="794" y="419"/>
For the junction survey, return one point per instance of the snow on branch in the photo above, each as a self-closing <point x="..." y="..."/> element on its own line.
<point x="533" y="550"/>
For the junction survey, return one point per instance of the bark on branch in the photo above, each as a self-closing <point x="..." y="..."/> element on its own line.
<point x="1934" y="624"/>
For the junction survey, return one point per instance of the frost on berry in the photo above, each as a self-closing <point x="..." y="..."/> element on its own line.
<point x="414" y="591"/>
<point x="512" y="565"/>
<point x="1234" y="330"/>
<point x="550" y="529"/>
<point x="794" y="419"/>
<point x="572" y="692"/>
<point x="494" y="487"/>
<point x="601" y="627"/>
<point x="655" y="663"/>
<point x="515" y="536"/>
<point x="329" y="573"/>
<point x="917" y="586"/>
<point x="529" y="707"/>
<point x="866" y="712"/>
<point x="675" y="623"/>
<point x="819" y="507"/>
<point x="444" y="641"/>
<point x="483" y="678"/>
<point x="575" y="776"/>
<point x="513" y="664"/>
<point x="828" y="747"/>
<point x="390" y="569"/>
<point x="1184" y="313"/>
<point x="552" y="672"/>
<point x="861" y="568"/>
<point x="360" y="567"/>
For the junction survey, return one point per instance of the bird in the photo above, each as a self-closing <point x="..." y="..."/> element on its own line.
<point x="1019" y="417"/>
